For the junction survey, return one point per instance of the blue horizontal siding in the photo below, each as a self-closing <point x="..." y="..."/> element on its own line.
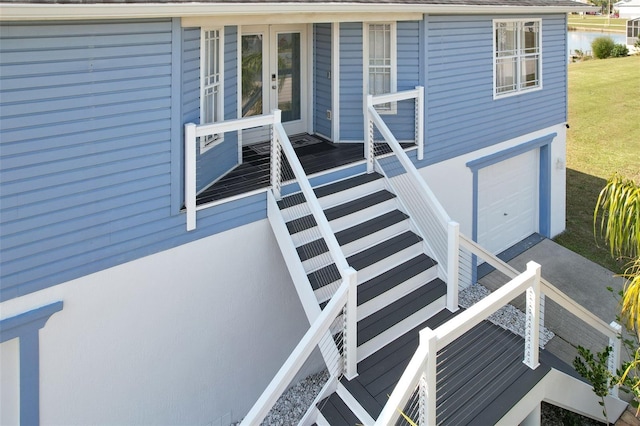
<point x="92" y="150"/>
<point x="351" y="84"/>
<point x="322" y="83"/>
<point x="351" y="116"/>
<point x="461" y="114"/>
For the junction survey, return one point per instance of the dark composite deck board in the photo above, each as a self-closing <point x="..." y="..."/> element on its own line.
<point x="496" y="409"/>
<point x="343" y="185"/>
<point x="300" y="224"/>
<point x="402" y="308"/>
<point x="370" y="226"/>
<point x="336" y="412"/>
<point x="312" y="249"/>
<point x="383" y="250"/>
<point x="375" y="360"/>
<point x="324" y="276"/>
<point x="254" y="172"/>
<point x="391" y="278"/>
<point x="358" y="204"/>
<point x="291" y="200"/>
<point x="362" y="395"/>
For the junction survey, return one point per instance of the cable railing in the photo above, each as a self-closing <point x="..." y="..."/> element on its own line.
<point x="415" y="393"/>
<point x="438" y="231"/>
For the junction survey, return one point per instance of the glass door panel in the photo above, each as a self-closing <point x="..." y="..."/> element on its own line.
<point x="252" y="69"/>
<point x="289" y="74"/>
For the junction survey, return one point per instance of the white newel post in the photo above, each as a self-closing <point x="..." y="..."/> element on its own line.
<point x="351" y="326"/>
<point x="453" y="264"/>
<point x="614" y="356"/>
<point x="190" y="174"/>
<point x="420" y="122"/>
<point x="276" y="160"/>
<point x="532" y="331"/>
<point x="428" y="337"/>
<point x="369" y="148"/>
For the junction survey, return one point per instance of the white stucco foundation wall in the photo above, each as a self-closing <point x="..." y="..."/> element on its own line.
<point x="452" y="180"/>
<point x="192" y="335"/>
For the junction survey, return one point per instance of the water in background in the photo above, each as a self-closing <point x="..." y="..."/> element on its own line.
<point x="581" y="40"/>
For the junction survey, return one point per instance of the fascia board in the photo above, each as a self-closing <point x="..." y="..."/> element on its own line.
<point x="320" y="11"/>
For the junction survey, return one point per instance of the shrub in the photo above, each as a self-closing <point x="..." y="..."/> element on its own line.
<point x="619" y="50"/>
<point x="602" y="47"/>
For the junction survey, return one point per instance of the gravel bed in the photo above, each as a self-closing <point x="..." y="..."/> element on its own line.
<point x="507" y="317"/>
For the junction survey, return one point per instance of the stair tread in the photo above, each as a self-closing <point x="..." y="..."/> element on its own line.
<point x="308" y="221"/>
<point x="370" y="226"/>
<point x="358" y="204"/>
<point x="328" y="189"/>
<point x="378" y="223"/>
<point x="399" y="310"/>
<point x="336" y="412"/>
<point x="393" y="277"/>
<point x="312" y="249"/>
<point x="324" y="276"/>
<point x="383" y="250"/>
<point x="342" y="185"/>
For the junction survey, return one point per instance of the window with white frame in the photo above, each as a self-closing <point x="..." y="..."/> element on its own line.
<point x="380" y="45"/>
<point x="518" y="60"/>
<point x="211" y="87"/>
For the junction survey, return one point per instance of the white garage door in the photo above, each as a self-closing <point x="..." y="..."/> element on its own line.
<point x="508" y="201"/>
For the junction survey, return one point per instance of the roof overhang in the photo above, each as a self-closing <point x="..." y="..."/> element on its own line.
<point x="312" y="12"/>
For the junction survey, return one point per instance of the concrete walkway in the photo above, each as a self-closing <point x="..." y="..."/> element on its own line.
<point x="579" y="278"/>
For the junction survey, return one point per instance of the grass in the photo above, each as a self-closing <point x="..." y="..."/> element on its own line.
<point x="597" y="22"/>
<point x="604" y="138"/>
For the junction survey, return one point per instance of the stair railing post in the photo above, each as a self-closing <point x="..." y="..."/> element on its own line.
<point x="351" y="325"/>
<point x="614" y="356"/>
<point x="532" y="330"/>
<point x="420" y="121"/>
<point x="369" y="147"/>
<point x="428" y="406"/>
<point x="276" y="160"/>
<point x="453" y="265"/>
<point x="190" y="174"/>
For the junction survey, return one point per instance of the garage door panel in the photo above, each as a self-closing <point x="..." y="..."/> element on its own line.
<point x="508" y="201"/>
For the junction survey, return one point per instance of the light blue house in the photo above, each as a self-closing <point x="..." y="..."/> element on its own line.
<point x="158" y="261"/>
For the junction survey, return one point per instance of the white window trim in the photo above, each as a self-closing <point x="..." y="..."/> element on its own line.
<point x="207" y="145"/>
<point x="394" y="62"/>
<point x="518" y="91"/>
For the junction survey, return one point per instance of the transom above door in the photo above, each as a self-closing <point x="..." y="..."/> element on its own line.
<point x="273" y="74"/>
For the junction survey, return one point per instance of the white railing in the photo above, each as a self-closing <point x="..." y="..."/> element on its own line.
<point x="417" y="95"/>
<point x="318" y="332"/>
<point x="191" y="134"/>
<point x="282" y="144"/>
<point x="420" y="374"/>
<point x="341" y="308"/>
<point x="471" y="254"/>
<point x="435" y="226"/>
<point x="419" y="379"/>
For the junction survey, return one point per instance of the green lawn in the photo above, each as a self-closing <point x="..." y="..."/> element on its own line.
<point x="604" y="138"/>
<point x="597" y="22"/>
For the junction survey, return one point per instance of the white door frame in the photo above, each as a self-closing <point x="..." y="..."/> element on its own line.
<point x="270" y="69"/>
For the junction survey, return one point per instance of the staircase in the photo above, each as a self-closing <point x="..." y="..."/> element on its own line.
<point x="398" y="283"/>
<point x="400" y="291"/>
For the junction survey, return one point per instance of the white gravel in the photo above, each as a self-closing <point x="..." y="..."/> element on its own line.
<point x="507" y="317"/>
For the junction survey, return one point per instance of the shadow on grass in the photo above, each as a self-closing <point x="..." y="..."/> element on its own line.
<point x="582" y="194"/>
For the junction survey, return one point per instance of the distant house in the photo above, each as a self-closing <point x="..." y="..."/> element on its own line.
<point x="158" y="263"/>
<point x="628" y="9"/>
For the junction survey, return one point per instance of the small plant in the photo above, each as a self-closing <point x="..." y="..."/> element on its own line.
<point x="602" y="47"/>
<point x="619" y="51"/>
<point x="594" y="369"/>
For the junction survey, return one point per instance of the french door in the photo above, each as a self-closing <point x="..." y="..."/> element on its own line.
<point x="274" y="75"/>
